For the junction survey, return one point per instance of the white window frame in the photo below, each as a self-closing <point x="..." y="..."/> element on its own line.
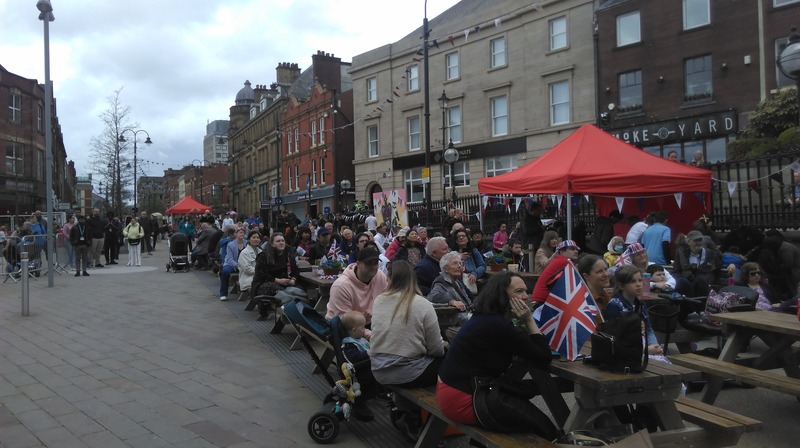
<point x="296" y="140"/>
<point x="491" y="165"/>
<point x="559" y="104"/>
<point x="15" y="159"/>
<point x="779" y="3"/>
<point x="452" y="70"/>
<point x="322" y="170"/>
<point x="274" y="189"/>
<point x="15" y="107"/>
<point x="461" y="171"/>
<point x="499" y="115"/>
<point x="373" y="149"/>
<point x="700" y="22"/>
<point x="413" y="178"/>
<point x="313" y="132"/>
<point x="322" y="130"/>
<point x="497" y="52"/>
<point x="622" y="23"/>
<point x="289" y="141"/>
<point x="297" y="177"/>
<point x="412" y="78"/>
<point x="39" y="117"/>
<point x="291" y="180"/>
<point x="454" y="124"/>
<point x="414" y="128"/>
<point x="559" y="38"/>
<point x="314" y="172"/>
<point x="372" y="89"/>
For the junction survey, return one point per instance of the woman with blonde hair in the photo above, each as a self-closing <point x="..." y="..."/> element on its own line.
<point x="406" y="345"/>
<point x="546" y="251"/>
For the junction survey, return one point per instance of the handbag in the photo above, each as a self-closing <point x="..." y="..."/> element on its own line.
<point x="134" y="242"/>
<point x="620" y="344"/>
<point x="502" y="404"/>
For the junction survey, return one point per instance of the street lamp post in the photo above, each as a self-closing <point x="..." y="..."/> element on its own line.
<point x="148" y="142"/>
<point x="46" y="16"/>
<point x="427" y="113"/>
<point x="789" y="62"/>
<point x="451" y="157"/>
<point x="444" y="105"/>
<point x="344" y="186"/>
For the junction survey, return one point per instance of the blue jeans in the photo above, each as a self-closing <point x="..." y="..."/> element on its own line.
<point x="225" y="278"/>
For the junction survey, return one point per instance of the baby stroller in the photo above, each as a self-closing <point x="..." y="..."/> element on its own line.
<point x="178" y="253"/>
<point x="323" y="426"/>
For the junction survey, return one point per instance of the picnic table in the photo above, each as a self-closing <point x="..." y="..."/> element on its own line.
<point x="778" y="330"/>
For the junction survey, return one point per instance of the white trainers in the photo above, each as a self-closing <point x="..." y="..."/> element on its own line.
<point x="223" y="298"/>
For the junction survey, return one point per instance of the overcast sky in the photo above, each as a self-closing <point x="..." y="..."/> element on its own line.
<point x="180" y="63"/>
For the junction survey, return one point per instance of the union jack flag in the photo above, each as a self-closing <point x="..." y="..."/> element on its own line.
<point x="334" y="251"/>
<point x="567" y="316"/>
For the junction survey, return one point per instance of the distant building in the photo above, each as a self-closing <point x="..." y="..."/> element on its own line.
<point x="22" y="142"/>
<point x="215" y="142"/>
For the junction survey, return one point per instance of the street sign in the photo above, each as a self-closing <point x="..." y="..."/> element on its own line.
<point x="278" y="200"/>
<point x="62" y="206"/>
<point x="265" y="203"/>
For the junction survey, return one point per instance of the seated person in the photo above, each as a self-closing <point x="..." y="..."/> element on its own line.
<point x="355" y="346"/>
<point x="627" y="298"/>
<point x="513" y="251"/>
<point x="566" y="251"/>
<point x="410" y="250"/>
<point x="428" y="268"/>
<point x="753" y="277"/>
<point x="615" y="248"/>
<point x="696" y="267"/>
<point x="448" y="288"/>
<point x="658" y="279"/>
<point x="474" y="265"/>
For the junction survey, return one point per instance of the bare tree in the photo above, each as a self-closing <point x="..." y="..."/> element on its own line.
<point x="110" y="159"/>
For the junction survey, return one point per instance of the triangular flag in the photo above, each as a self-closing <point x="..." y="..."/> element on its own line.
<point x="485" y="201"/>
<point x="466" y="35"/>
<point x="795" y="166"/>
<point x="678" y="198"/>
<point x="451" y="40"/>
<point x="396" y="93"/>
<point x="537" y="6"/>
<point x="731" y="188"/>
<point x="497" y="22"/>
<point x="518" y="201"/>
<point x="559" y="198"/>
<point x="586" y="196"/>
<point x="620" y="203"/>
<point x="436" y="43"/>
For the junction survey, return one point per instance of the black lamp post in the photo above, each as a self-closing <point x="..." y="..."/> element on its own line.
<point x="344" y="186"/>
<point x="451" y="157"/>
<point x="444" y="105"/>
<point x="148" y="142"/>
<point x="789" y="62"/>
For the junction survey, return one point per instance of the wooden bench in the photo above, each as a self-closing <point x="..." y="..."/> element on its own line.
<point x="437" y="423"/>
<point x="721" y="422"/>
<point x="724" y="369"/>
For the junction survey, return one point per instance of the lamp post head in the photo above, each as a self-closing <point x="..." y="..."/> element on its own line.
<point x="45" y="10"/>
<point x="443" y="101"/>
<point x="121" y="138"/>
<point x="451" y="155"/>
<point x="345" y="184"/>
<point x="789" y="58"/>
<point x="148" y="141"/>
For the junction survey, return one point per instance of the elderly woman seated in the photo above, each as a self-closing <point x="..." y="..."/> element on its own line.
<point x="449" y="289"/>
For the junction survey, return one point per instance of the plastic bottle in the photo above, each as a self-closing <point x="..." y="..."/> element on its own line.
<point x="646" y="282"/>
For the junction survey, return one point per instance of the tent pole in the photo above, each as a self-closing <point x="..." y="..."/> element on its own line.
<point x="569" y="216"/>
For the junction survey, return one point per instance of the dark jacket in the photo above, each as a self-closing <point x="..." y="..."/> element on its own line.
<point x="427" y="270"/>
<point x="279" y="268"/>
<point x="78" y="231"/>
<point x="318" y="251"/>
<point x="709" y="269"/>
<point x="96" y="226"/>
<point x="445" y="289"/>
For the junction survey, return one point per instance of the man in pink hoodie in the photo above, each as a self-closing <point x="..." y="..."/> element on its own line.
<point x="357" y="287"/>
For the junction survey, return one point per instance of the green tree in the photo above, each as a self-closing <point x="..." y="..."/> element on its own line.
<point x="774" y="115"/>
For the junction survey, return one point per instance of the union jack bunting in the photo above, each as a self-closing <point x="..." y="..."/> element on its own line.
<point x="567" y="316"/>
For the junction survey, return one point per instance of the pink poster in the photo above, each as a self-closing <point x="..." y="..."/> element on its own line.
<point x="390" y="207"/>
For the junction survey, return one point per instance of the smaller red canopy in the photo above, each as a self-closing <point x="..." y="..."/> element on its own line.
<point x="189" y="206"/>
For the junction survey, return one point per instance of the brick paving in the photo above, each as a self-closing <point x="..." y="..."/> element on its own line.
<point x="143" y="358"/>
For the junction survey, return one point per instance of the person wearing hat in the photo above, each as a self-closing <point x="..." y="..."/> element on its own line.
<point x="356" y="288"/>
<point x="396" y="243"/>
<point x="322" y="246"/>
<point x="696" y="267"/>
<point x="566" y="251"/>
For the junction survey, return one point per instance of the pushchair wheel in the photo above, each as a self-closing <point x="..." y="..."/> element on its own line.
<point x="323" y="427"/>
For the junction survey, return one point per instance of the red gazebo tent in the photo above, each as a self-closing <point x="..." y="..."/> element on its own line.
<point x="592" y="162"/>
<point x="187" y="205"/>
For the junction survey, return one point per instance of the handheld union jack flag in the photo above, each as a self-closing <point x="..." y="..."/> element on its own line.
<point x="567" y="316"/>
<point x="334" y="251"/>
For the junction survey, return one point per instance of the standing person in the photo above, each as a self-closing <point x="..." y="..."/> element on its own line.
<point x="81" y="238"/>
<point x="356" y="288"/>
<point x="371" y="222"/>
<point x="276" y="268"/>
<point x="186" y="227"/>
<point x="144" y="221"/>
<point x="112" y="234"/>
<point x="500" y="237"/>
<point x="485" y="347"/>
<point x="97" y="229"/>
<point x="638" y="228"/>
<point x="532" y="228"/>
<point x="603" y="232"/>
<point x="657" y="239"/>
<point x="65" y="231"/>
<point x="134" y="233"/>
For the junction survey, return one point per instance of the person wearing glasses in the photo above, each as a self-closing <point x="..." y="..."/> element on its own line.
<point x="753" y="277"/>
<point x="474" y="264"/>
<point x="361" y="239"/>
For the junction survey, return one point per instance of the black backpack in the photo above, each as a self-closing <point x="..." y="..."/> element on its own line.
<point x="620" y="344"/>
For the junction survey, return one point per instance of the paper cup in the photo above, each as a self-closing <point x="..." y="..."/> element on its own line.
<point x="513" y="268"/>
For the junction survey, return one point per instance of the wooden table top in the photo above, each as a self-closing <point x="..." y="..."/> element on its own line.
<point x="658" y="374"/>
<point x="314" y="279"/>
<point x="773" y="322"/>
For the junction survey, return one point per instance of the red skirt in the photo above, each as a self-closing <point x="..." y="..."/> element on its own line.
<point x="455" y="404"/>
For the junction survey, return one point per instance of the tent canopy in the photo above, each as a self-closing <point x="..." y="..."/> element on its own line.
<point x="187" y="205"/>
<point x="591" y="161"/>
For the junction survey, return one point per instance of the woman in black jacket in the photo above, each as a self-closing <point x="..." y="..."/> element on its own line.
<point x="276" y="268"/>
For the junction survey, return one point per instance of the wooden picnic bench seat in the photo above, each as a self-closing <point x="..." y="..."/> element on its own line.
<point x="724" y="369"/>
<point x="434" y="429"/>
